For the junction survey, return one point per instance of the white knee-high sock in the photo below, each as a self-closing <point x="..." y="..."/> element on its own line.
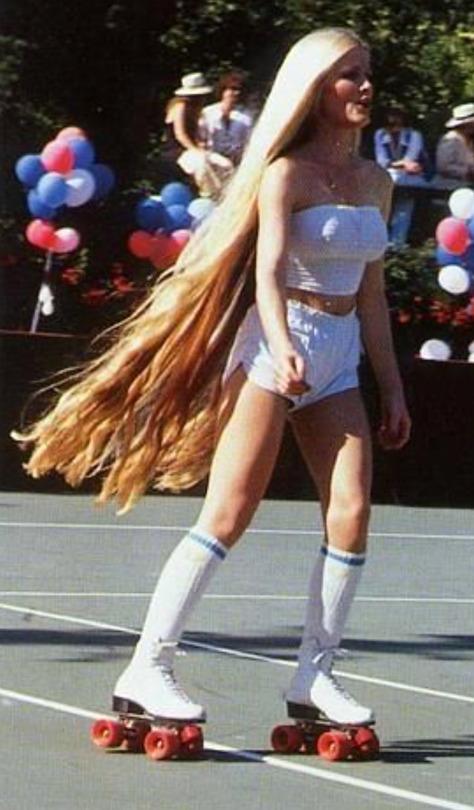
<point x="341" y="575"/>
<point x="182" y="582"/>
<point x="332" y="587"/>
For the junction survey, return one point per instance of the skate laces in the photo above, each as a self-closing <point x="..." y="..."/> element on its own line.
<point x="327" y="657"/>
<point x="173" y="685"/>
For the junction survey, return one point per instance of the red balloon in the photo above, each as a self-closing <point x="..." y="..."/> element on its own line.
<point x="453" y="235"/>
<point x="140" y="244"/>
<point x="40" y="234"/>
<point x="163" y="251"/>
<point x="181" y="237"/>
<point x="57" y="157"/>
<point x="70" y="132"/>
<point x="65" y="240"/>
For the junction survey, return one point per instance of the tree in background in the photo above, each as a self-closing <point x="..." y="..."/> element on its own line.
<point x="109" y="67"/>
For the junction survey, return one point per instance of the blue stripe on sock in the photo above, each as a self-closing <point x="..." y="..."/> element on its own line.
<point x="209" y="544"/>
<point x="356" y="559"/>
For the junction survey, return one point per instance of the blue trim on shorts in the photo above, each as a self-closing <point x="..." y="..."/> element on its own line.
<point x="209" y="544"/>
<point x="355" y="560"/>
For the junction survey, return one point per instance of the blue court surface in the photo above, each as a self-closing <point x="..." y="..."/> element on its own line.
<point x="74" y="586"/>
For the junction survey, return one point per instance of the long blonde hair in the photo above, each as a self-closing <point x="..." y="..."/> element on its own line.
<point x="145" y="411"/>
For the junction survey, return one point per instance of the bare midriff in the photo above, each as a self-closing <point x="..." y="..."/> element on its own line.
<point x="332" y="304"/>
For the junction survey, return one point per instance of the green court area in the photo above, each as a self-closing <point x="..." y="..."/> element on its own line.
<point x="74" y="587"/>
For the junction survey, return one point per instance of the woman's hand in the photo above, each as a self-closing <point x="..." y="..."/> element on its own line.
<point x="395" y="426"/>
<point x="289" y="373"/>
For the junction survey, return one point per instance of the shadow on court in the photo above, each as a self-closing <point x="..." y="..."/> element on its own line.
<point x="279" y="647"/>
<point x="427" y="750"/>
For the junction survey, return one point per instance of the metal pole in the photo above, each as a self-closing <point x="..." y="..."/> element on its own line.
<point x="48" y="265"/>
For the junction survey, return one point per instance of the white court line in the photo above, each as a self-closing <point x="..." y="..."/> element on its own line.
<point x="123" y="527"/>
<point x="443" y="600"/>
<point x="62" y="617"/>
<point x="328" y="775"/>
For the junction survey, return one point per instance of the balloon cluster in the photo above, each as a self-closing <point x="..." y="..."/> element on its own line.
<point x="455" y="256"/>
<point x="455" y="248"/>
<point x="64" y="174"/>
<point x="165" y="223"/>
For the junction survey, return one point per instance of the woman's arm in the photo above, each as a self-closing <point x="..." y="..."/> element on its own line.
<point x="180" y="127"/>
<point x="274" y="209"/>
<point x="376" y="330"/>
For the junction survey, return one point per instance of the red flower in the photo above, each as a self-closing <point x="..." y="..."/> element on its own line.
<point x="122" y="285"/>
<point x="9" y="260"/>
<point x="95" y="296"/>
<point x="72" y="275"/>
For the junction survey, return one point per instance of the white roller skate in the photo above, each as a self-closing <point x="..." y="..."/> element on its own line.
<point x="315" y="686"/>
<point x="148" y="686"/>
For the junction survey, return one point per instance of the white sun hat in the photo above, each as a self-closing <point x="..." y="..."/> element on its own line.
<point x="193" y="84"/>
<point x="463" y="114"/>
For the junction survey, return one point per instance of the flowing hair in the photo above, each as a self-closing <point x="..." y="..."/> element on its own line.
<point x="145" y="411"/>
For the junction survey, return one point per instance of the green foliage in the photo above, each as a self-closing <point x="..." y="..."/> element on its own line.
<point x="109" y="67"/>
<point x="420" y="308"/>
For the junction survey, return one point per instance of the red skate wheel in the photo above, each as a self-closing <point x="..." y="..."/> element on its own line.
<point x="334" y="745"/>
<point x="107" y="733"/>
<point x="286" y="739"/>
<point x="161" y="743"/>
<point x="366" y="743"/>
<point x="192" y="741"/>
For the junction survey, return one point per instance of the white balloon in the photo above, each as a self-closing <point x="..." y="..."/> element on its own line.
<point x="454" y="279"/>
<point x="470" y="359"/>
<point x="470" y="348"/>
<point x="461" y="203"/>
<point x="80" y="187"/>
<point x="435" y="349"/>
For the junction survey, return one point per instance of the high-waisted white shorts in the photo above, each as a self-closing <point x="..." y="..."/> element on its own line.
<point x="329" y="344"/>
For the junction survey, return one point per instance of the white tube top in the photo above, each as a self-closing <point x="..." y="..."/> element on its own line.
<point x="329" y="246"/>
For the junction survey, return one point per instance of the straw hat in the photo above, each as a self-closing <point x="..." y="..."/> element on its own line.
<point x="193" y="84"/>
<point x="463" y="114"/>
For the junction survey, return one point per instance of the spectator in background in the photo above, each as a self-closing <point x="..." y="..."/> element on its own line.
<point x="184" y="150"/>
<point x="181" y="124"/>
<point x="400" y="149"/>
<point x="455" y="149"/>
<point x="225" y="126"/>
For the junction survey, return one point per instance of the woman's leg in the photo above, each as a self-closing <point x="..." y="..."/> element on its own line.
<point x="334" y="438"/>
<point x="252" y="421"/>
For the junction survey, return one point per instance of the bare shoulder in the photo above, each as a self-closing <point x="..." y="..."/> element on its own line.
<point x="278" y="179"/>
<point x="378" y="181"/>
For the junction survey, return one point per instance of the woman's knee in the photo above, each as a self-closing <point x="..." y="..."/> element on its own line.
<point x="347" y="522"/>
<point x="227" y="522"/>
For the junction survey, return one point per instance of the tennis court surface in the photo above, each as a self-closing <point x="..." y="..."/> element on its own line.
<point x="74" y="587"/>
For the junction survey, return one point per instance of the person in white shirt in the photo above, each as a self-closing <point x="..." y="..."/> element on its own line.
<point x="225" y="126"/>
<point x="400" y="150"/>
<point x="455" y="149"/>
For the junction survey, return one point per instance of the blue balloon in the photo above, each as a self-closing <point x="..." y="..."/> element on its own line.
<point x="52" y="189"/>
<point x="470" y="227"/>
<point x="180" y="217"/>
<point x="200" y="208"/>
<point x="445" y="257"/>
<point x="104" y="179"/>
<point x="29" y="169"/>
<point x="176" y="194"/>
<point x="39" y="209"/>
<point x="468" y="257"/>
<point x="84" y="154"/>
<point x="152" y="215"/>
